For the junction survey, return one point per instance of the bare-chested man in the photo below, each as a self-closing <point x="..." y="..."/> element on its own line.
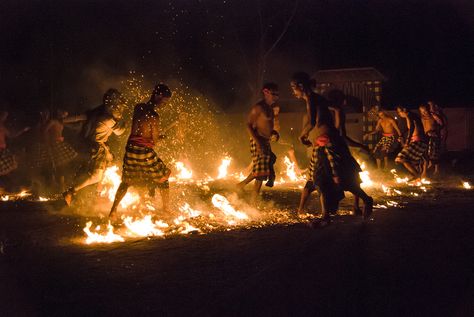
<point x="415" y="146"/>
<point x="332" y="167"/>
<point x="141" y="165"/>
<point x="388" y="142"/>
<point x="260" y="126"/>
<point x="432" y="129"/>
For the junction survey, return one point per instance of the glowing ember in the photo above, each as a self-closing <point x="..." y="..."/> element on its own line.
<point x="42" y="199"/>
<point x="95" y="237"/>
<point x="183" y="172"/>
<point x="221" y="203"/>
<point x="143" y="227"/>
<point x="466" y="185"/>
<point x="397" y="178"/>
<point x="223" y="168"/>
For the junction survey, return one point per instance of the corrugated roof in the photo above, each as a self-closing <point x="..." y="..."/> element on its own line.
<point x="348" y="75"/>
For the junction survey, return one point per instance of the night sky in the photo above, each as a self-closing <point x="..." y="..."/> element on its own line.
<point x="58" y="53"/>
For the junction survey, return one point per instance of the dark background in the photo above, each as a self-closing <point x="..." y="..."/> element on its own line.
<point x="66" y="53"/>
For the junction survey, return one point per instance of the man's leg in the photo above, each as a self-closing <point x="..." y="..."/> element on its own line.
<point x="87" y="180"/>
<point x="242" y="184"/>
<point x="385" y="161"/>
<point x="368" y="201"/>
<point x="121" y="191"/>
<point x="305" y="194"/>
<point x="165" y="197"/>
<point x="256" y="190"/>
<point x="379" y="163"/>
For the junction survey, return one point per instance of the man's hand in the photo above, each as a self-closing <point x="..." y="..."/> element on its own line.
<point x="304" y="140"/>
<point x="275" y="136"/>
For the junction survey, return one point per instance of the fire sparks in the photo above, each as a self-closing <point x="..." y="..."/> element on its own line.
<point x="223" y="167"/>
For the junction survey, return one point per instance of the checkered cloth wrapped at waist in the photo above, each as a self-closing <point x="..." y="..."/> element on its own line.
<point x="434" y="146"/>
<point x="142" y="166"/>
<point x="385" y="146"/>
<point x="7" y="162"/>
<point x="262" y="163"/>
<point x="413" y="152"/>
<point x="331" y="158"/>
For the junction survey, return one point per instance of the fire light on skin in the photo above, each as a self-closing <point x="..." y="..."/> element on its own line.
<point x="223" y="167"/>
<point x="183" y="172"/>
<point x="221" y="203"/>
<point x="466" y="185"/>
<point x="95" y="237"/>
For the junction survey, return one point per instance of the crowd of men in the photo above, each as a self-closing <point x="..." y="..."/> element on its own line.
<point x="332" y="168"/>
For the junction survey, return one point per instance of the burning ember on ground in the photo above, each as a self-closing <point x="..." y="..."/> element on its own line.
<point x="224" y="212"/>
<point x="466" y="185"/>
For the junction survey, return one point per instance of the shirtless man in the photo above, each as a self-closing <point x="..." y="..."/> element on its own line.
<point x="332" y="167"/>
<point x="388" y="142"/>
<point x="141" y="164"/>
<point x="100" y="124"/>
<point x="432" y="129"/>
<point x="260" y="126"/>
<point x="415" y="146"/>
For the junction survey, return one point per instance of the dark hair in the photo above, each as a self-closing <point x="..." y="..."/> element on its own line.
<point x="112" y="97"/>
<point x="402" y="108"/>
<point x="270" y="86"/>
<point x="303" y="79"/>
<point x="162" y="90"/>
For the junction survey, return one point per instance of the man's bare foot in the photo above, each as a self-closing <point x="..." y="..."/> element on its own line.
<point x="356" y="211"/>
<point x="320" y="223"/>
<point x="368" y="206"/>
<point x="67" y="195"/>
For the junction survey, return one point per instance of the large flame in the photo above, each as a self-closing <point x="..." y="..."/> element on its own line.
<point x="223" y="167"/>
<point x="290" y="169"/>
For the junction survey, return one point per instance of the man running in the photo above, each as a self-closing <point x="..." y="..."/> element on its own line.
<point x="100" y="124"/>
<point x="260" y="126"/>
<point x="141" y="164"/>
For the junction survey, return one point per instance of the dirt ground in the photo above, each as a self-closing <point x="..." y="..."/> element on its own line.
<point x="412" y="260"/>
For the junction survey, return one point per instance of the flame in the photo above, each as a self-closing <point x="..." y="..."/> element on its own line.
<point x="221" y="203"/>
<point x="95" y="237"/>
<point x="188" y="210"/>
<point x="144" y="227"/>
<point x="364" y="176"/>
<point x="111" y="183"/>
<point x="466" y="185"/>
<point x="223" y="167"/>
<point x="290" y="169"/>
<point x="183" y="172"/>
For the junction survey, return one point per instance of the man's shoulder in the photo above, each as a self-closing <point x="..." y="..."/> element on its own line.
<point x="146" y="110"/>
